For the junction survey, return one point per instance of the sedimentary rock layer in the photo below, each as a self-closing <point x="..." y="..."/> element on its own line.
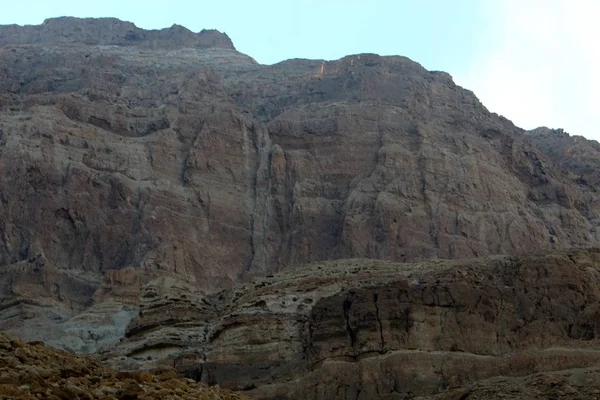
<point x="370" y="329"/>
<point x="166" y="163"/>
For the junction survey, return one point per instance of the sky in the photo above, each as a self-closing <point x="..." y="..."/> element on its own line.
<point x="536" y="62"/>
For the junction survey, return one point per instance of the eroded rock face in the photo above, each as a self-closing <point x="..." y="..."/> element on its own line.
<point x="170" y="157"/>
<point x="31" y="371"/>
<point x="372" y="329"/>
<point x="112" y="32"/>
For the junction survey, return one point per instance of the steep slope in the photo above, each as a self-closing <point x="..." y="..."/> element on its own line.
<point x="167" y="154"/>
<point x="573" y="153"/>
<point x="110" y="31"/>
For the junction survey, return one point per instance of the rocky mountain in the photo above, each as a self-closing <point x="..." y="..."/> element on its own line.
<point x="110" y="32"/>
<point x="139" y="167"/>
<point x="571" y="153"/>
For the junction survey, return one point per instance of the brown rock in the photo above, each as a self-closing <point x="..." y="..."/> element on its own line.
<point x="139" y="179"/>
<point x="106" y="160"/>
<point x="367" y="328"/>
<point x="130" y="392"/>
<point x="9" y="379"/>
<point x="67" y="376"/>
<point x="110" y="31"/>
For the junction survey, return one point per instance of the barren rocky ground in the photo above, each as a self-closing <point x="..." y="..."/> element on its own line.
<point x="31" y="371"/>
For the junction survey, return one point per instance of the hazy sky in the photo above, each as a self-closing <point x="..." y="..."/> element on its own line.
<point x="537" y="62"/>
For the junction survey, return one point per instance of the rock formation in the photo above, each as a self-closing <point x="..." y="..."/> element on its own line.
<point x="571" y="153"/>
<point x="366" y="329"/>
<point x="31" y="371"/>
<point x="110" y="32"/>
<point x="141" y="165"/>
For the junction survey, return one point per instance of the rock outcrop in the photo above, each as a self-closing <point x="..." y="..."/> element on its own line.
<point x="31" y="371"/>
<point x="366" y="329"/>
<point x="571" y="153"/>
<point x="110" y="32"/>
<point x="141" y="172"/>
<point x="522" y="327"/>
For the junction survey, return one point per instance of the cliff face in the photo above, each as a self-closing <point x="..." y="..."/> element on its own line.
<point x="572" y="153"/>
<point x="367" y="329"/>
<point x="129" y="157"/>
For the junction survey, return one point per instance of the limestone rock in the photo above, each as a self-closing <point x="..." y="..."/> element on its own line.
<point x="370" y="329"/>
<point x="107" y="158"/>
<point x="575" y="154"/>
<point x="110" y="31"/>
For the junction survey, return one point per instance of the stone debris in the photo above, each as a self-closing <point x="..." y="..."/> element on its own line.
<point x="31" y="371"/>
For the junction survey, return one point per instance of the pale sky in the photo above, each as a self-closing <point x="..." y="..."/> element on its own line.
<point x="534" y="61"/>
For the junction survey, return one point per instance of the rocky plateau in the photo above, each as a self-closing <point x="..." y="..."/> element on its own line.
<point x="350" y="229"/>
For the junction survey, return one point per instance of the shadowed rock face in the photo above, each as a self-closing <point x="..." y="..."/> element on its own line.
<point x="167" y="156"/>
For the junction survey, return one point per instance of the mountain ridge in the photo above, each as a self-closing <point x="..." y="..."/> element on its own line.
<point x="179" y="168"/>
<point x="110" y="31"/>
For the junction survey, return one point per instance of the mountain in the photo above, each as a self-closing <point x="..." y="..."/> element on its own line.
<point x="137" y="164"/>
<point x="110" y="32"/>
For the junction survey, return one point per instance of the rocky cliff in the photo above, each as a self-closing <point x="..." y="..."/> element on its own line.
<point x="31" y="371"/>
<point x="497" y="327"/>
<point x="137" y="164"/>
<point x="367" y="329"/>
<point x="110" y="32"/>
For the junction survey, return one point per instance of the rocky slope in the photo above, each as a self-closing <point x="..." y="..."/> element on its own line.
<point x="31" y="371"/>
<point x="137" y="165"/>
<point x="366" y="329"/>
<point x="110" y="32"/>
<point x="522" y="327"/>
<point x="571" y="153"/>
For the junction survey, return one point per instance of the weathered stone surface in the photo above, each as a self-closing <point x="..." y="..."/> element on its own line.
<point x="575" y="383"/>
<point x="103" y="207"/>
<point x="110" y="31"/>
<point x="107" y="158"/>
<point x="140" y="175"/>
<point x="576" y="154"/>
<point x="370" y="329"/>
